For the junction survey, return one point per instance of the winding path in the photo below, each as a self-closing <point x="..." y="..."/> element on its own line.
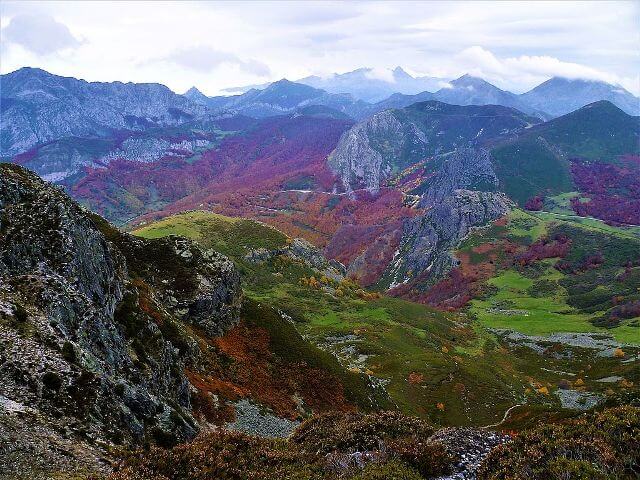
<point x="504" y="418"/>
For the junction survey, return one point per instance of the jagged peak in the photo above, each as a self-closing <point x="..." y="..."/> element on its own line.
<point x="401" y="72"/>
<point x="193" y="91"/>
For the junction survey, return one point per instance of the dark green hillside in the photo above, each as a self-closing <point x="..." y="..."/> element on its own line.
<point x="537" y="162"/>
<point x="450" y="126"/>
<point x="529" y="167"/>
<point x="599" y="131"/>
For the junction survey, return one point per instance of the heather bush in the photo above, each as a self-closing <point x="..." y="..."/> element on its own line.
<point x="612" y="190"/>
<point x="220" y="455"/>
<point x="427" y="458"/>
<point x="330" y="432"/>
<point x="603" y="445"/>
<point x="384" y="445"/>
<point x="393" y="470"/>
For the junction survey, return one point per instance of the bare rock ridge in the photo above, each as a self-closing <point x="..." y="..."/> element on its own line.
<point x="92" y="320"/>
<point x="425" y="254"/>
<point x="303" y="251"/>
<point x="40" y="107"/>
<point x="465" y="168"/>
<point x="383" y="145"/>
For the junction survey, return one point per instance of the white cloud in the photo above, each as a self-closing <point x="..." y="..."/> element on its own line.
<point x="40" y="34"/>
<point x="384" y="74"/>
<point x="204" y="59"/>
<point x="511" y="71"/>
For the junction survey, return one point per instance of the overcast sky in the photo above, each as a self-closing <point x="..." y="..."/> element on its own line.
<point x="214" y="45"/>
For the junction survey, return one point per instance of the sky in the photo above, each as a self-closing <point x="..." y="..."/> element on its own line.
<point x="216" y="45"/>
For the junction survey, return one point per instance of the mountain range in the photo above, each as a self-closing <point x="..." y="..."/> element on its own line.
<point x="38" y="107"/>
<point x="552" y="98"/>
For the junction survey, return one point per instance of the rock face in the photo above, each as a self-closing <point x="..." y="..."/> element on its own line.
<point x="366" y="153"/>
<point x="302" y="251"/>
<point x="388" y="142"/>
<point x="455" y="192"/>
<point x="38" y="107"/>
<point x="93" y="321"/>
<point x="465" y="168"/>
<point x="424" y="253"/>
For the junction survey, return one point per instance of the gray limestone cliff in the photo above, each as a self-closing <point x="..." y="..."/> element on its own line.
<point x="385" y="144"/>
<point x="427" y="240"/>
<point x="94" y="323"/>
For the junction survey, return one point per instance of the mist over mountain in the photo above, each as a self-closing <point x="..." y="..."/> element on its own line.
<point x="396" y="88"/>
<point x="371" y="86"/>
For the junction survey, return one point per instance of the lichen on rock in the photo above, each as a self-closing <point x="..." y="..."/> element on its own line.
<point x="94" y="323"/>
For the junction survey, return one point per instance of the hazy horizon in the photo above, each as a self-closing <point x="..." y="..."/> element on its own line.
<point x="218" y="45"/>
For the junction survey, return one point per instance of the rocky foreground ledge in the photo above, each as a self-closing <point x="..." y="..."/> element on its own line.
<point x="94" y="324"/>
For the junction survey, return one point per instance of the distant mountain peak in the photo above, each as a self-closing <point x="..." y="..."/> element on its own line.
<point x="193" y="91"/>
<point x="468" y="79"/>
<point x="196" y="96"/>
<point x="365" y="84"/>
<point x="285" y="85"/>
<point x="400" y="72"/>
<point x="560" y="95"/>
<point x="32" y="70"/>
<point x="283" y="81"/>
<point x="602" y="106"/>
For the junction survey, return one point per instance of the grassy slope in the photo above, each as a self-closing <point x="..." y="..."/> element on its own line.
<point x="422" y="357"/>
<point x="399" y="337"/>
<point x="516" y="301"/>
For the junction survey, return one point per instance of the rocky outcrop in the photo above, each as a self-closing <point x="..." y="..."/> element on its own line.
<point x="390" y="141"/>
<point x="425" y="254"/>
<point x="465" y="168"/>
<point x="457" y="194"/>
<point x="357" y="161"/>
<point x="468" y="447"/>
<point x="302" y="251"/>
<point x="94" y="322"/>
<point x="151" y="149"/>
